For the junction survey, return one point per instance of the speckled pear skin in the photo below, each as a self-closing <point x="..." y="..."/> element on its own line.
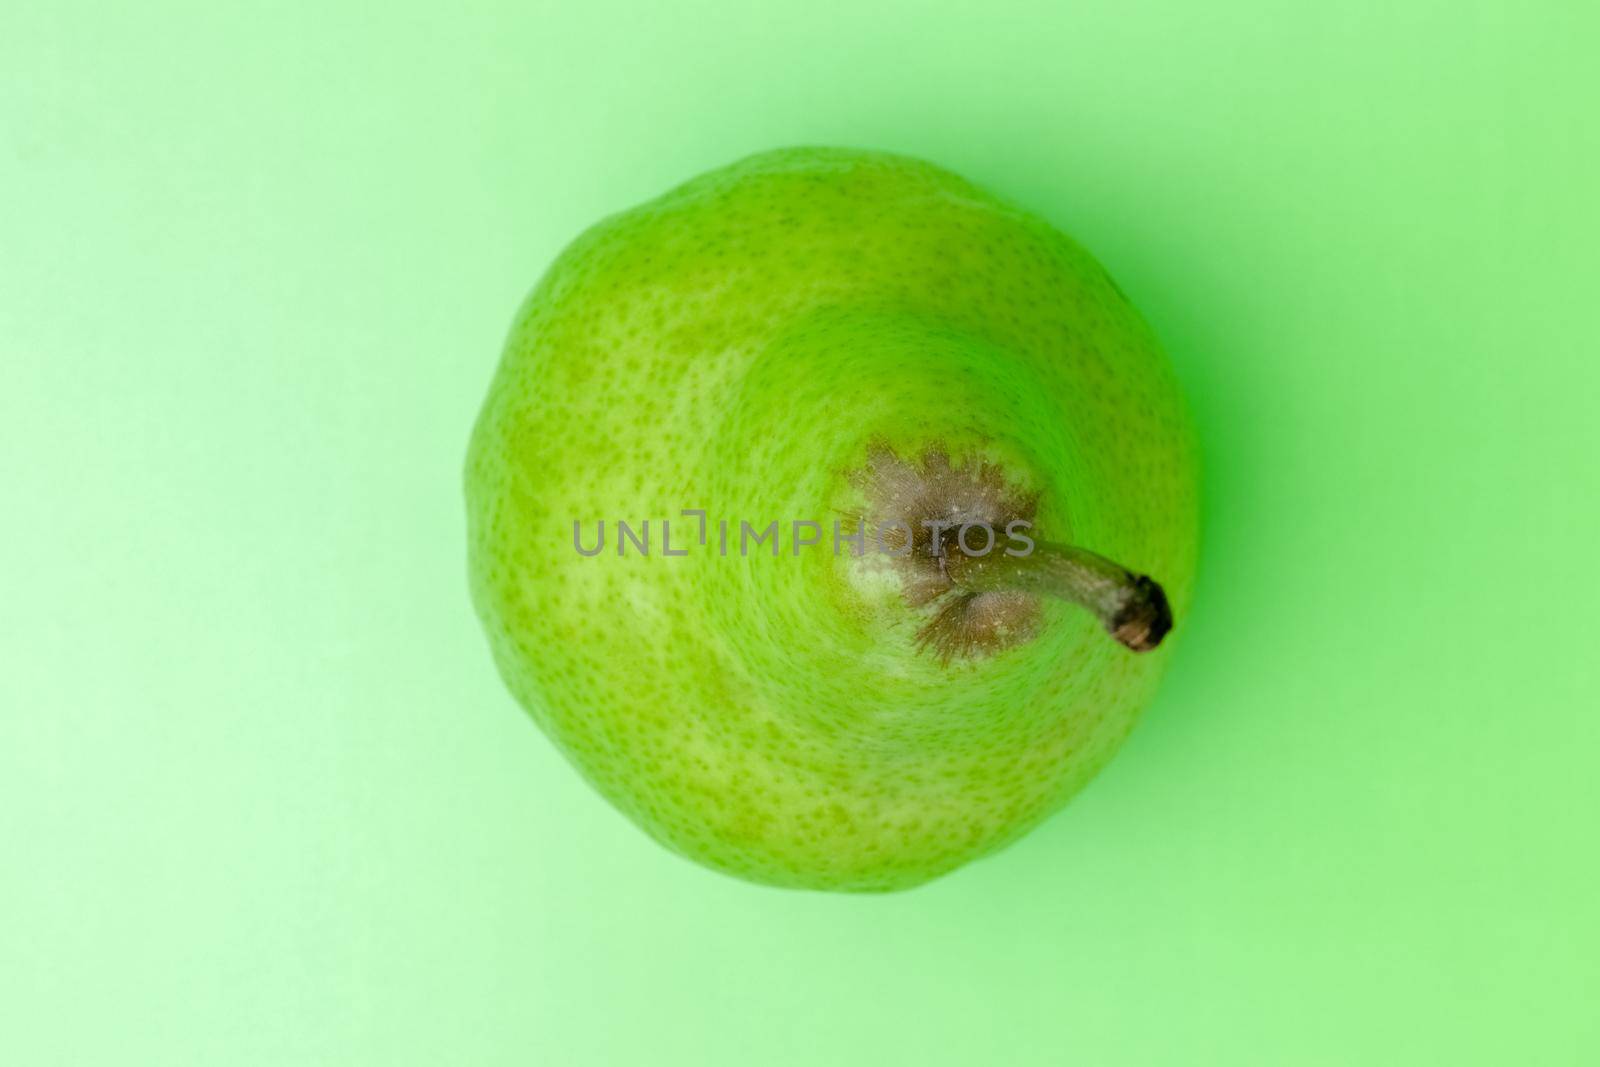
<point x="740" y="345"/>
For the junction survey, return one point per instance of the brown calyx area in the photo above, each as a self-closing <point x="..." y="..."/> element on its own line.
<point x="986" y="602"/>
<point x="966" y="623"/>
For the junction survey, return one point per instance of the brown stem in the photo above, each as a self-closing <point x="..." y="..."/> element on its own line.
<point x="1132" y="607"/>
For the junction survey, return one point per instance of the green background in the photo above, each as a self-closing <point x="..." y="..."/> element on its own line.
<point x="263" y="799"/>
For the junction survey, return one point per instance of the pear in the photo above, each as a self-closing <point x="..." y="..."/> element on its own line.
<point x="828" y="513"/>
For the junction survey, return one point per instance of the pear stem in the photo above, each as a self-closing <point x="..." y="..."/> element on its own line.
<point x="1132" y="607"/>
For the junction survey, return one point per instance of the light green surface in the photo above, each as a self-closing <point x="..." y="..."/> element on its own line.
<point x="264" y="801"/>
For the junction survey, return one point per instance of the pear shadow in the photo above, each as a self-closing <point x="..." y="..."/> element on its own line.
<point x="1139" y="206"/>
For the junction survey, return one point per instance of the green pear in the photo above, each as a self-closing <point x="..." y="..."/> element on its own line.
<point x="729" y="498"/>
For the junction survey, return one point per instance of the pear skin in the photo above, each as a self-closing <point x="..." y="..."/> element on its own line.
<point x="833" y="341"/>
